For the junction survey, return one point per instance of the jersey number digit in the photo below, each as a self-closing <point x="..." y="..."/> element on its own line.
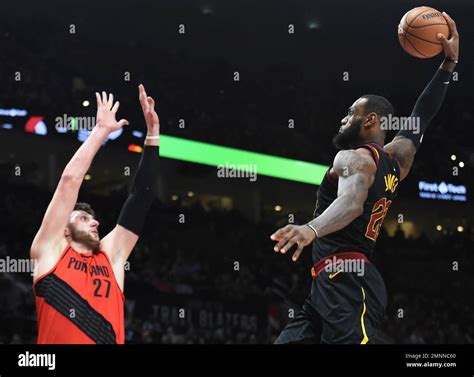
<point x="376" y="219"/>
<point x="98" y="282"/>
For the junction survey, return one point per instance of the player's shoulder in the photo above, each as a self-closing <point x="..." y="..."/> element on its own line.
<point x="47" y="256"/>
<point x="45" y="248"/>
<point x="349" y="161"/>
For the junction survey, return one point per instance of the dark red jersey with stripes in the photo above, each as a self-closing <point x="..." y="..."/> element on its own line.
<point x="360" y="235"/>
<point x="79" y="301"/>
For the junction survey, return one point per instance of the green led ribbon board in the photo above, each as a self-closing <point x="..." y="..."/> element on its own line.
<point x="216" y="155"/>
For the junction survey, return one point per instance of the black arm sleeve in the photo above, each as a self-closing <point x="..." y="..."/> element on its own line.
<point x="427" y="106"/>
<point x="135" y="208"/>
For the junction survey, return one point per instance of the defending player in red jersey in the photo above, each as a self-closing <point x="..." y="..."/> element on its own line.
<point x="79" y="278"/>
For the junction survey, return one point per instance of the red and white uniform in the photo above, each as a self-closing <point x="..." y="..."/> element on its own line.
<point x="79" y="301"/>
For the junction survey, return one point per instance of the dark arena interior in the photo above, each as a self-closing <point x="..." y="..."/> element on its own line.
<point x="271" y="77"/>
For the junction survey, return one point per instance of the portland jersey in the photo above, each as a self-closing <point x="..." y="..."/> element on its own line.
<point x="79" y="301"/>
<point x="360" y="235"/>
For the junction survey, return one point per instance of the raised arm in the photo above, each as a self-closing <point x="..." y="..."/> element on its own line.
<point x="50" y="237"/>
<point x="405" y="144"/>
<point x="356" y="171"/>
<point x="119" y="243"/>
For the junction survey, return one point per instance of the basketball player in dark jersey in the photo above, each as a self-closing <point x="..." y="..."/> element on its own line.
<point x="79" y="278"/>
<point x="348" y="298"/>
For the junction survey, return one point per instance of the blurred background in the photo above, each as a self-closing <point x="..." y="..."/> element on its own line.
<point x="236" y="76"/>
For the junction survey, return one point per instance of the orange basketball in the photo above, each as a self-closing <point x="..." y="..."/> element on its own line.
<point x="418" y="30"/>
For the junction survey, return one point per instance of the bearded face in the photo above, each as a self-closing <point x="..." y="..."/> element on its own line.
<point x="349" y="134"/>
<point x="83" y="228"/>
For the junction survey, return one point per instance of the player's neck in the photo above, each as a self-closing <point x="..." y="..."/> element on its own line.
<point x="80" y="248"/>
<point x="378" y="141"/>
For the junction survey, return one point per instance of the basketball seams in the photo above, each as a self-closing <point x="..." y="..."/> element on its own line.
<point x="422" y="26"/>
<point x="418" y="15"/>
<point x="418" y="51"/>
<point x="422" y="39"/>
<point x="414" y="18"/>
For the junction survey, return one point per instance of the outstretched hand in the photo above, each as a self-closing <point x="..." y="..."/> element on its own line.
<point x="288" y="236"/>
<point x="451" y="45"/>
<point x="148" y="108"/>
<point x="106" y="112"/>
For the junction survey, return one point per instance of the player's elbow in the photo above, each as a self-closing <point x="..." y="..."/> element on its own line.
<point x="355" y="206"/>
<point x="69" y="178"/>
<point x="357" y="209"/>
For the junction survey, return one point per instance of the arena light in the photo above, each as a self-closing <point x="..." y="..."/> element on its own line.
<point x="13" y="112"/>
<point x="135" y="148"/>
<point x="313" y="24"/>
<point x="460" y="229"/>
<point x="36" y="125"/>
<point x="439" y="228"/>
<point x="206" y="10"/>
<point x="453" y="157"/>
<point x="461" y="164"/>
<point x="216" y="155"/>
<point x="85" y="103"/>
<point x="277" y="208"/>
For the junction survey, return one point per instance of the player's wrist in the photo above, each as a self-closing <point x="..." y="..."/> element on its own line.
<point x="99" y="131"/>
<point x="313" y="229"/>
<point x="153" y="131"/>
<point x="451" y="59"/>
<point x="152" y="140"/>
<point x="152" y="137"/>
<point x="448" y="65"/>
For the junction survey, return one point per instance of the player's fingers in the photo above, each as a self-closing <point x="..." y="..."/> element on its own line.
<point x="116" y="107"/>
<point x="104" y="98"/>
<point x="151" y="103"/>
<point x="283" y="240"/>
<point x="451" y="23"/>
<point x="110" y="101"/>
<point x="288" y="245"/>
<point x="442" y="38"/>
<point x="141" y="92"/>
<point x="298" y="252"/>
<point x="280" y="232"/>
<point x="142" y="97"/>
<point x="123" y="122"/>
<point x="99" y="102"/>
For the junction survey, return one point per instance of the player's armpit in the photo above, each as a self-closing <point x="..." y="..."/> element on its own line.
<point x="403" y="149"/>
<point x="118" y="244"/>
